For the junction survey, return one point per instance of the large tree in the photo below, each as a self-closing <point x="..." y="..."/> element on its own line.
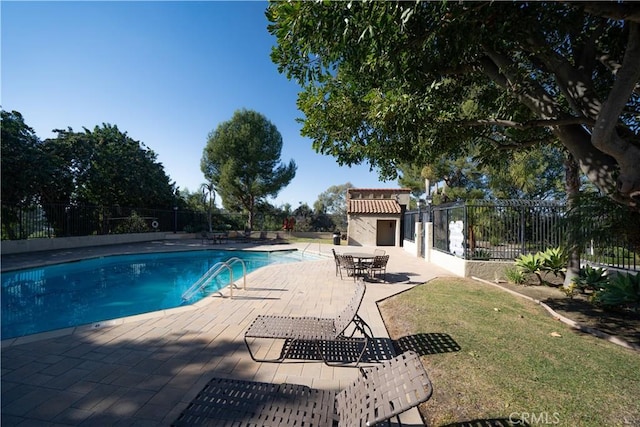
<point x="99" y="167"/>
<point x="22" y="161"/>
<point x="522" y="174"/>
<point x="406" y="82"/>
<point x="410" y="176"/>
<point x="242" y="161"/>
<point x="209" y="200"/>
<point x="106" y="167"/>
<point x="333" y="202"/>
<point x="24" y="169"/>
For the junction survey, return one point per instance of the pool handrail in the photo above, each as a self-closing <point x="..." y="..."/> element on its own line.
<point x="213" y="272"/>
<point x="307" y="247"/>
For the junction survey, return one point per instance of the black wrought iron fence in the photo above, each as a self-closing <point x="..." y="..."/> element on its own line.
<point x="499" y="230"/>
<point x="59" y="220"/>
<point x="615" y="242"/>
<point x="505" y="229"/>
<point x="409" y="224"/>
<point x="615" y="253"/>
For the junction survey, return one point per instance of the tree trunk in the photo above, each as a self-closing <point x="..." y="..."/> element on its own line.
<point x="599" y="167"/>
<point x="608" y="160"/>
<point x="210" y="215"/>
<point x="572" y="188"/>
<point x="252" y="206"/>
<point x="605" y="136"/>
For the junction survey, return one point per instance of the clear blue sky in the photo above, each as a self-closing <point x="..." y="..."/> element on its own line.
<point x="167" y="73"/>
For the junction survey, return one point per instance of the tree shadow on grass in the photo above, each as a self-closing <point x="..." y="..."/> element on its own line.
<point x="622" y="324"/>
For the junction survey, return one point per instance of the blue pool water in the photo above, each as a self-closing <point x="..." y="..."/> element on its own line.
<point x="59" y="296"/>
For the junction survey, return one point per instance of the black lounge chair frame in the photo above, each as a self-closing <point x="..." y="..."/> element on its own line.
<point x="324" y="334"/>
<point x="379" y="394"/>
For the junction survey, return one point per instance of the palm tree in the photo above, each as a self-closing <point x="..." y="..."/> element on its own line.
<point x="208" y="197"/>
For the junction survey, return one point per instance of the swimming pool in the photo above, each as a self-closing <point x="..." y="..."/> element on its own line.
<point x="84" y="292"/>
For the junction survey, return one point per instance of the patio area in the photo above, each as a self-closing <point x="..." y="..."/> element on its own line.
<point x="145" y="370"/>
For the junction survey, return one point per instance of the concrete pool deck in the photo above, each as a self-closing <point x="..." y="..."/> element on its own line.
<point x="144" y="370"/>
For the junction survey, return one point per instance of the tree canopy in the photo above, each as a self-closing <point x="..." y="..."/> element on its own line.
<point x="22" y="161"/>
<point x="242" y="161"/>
<point x="406" y="82"/>
<point x="532" y="174"/>
<point x="333" y="201"/>
<point x="105" y="167"/>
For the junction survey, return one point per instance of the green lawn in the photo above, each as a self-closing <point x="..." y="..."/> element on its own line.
<point x="293" y="239"/>
<point x="515" y="361"/>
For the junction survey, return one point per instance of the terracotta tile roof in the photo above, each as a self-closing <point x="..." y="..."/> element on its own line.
<point x="364" y="206"/>
<point x="387" y="190"/>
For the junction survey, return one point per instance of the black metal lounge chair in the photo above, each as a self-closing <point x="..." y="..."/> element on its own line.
<point x="379" y="394"/>
<point x="326" y="335"/>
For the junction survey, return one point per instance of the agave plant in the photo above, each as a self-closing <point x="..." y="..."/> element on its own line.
<point x="530" y="264"/>
<point x="591" y="279"/>
<point x="554" y="260"/>
<point x="623" y="291"/>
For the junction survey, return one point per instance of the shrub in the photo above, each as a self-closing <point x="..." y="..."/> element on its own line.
<point x="133" y="224"/>
<point x="189" y="228"/>
<point x="50" y="232"/>
<point x="495" y="240"/>
<point x="480" y="253"/>
<point x="530" y="264"/>
<point x="570" y="290"/>
<point x="621" y="291"/>
<point x="591" y="279"/>
<point x="554" y="260"/>
<point x="514" y="275"/>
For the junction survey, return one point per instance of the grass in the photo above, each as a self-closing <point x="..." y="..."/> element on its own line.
<point x="515" y="361"/>
<point x="294" y="239"/>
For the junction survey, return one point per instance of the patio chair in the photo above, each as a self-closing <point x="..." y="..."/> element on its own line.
<point x="325" y="335"/>
<point x="214" y="237"/>
<point x="379" y="265"/>
<point x="336" y="258"/>
<point x="206" y="237"/>
<point x="353" y="268"/>
<point x="379" y="394"/>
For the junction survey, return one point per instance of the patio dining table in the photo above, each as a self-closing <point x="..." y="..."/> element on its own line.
<point x="360" y="256"/>
<point x="362" y="260"/>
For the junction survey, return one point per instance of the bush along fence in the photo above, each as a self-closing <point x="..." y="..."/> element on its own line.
<point x="503" y="230"/>
<point x="612" y="290"/>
